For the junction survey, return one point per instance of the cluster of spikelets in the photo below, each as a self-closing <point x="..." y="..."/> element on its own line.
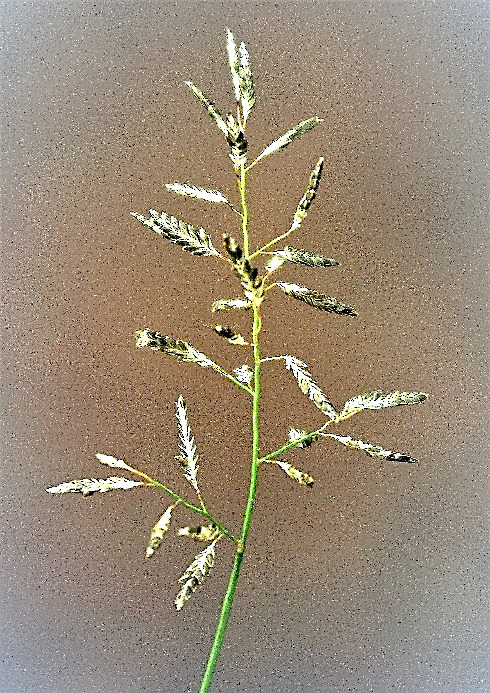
<point x="188" y="459"/>
<point x="255" y="285"/>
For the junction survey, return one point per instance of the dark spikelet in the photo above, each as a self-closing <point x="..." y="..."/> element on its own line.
<point x="176" y="347"/>
<point x="298" y="256"/>
<point x="249" y="276"/>
<point x="316" y="299"/>
<point x="230" y="334"/>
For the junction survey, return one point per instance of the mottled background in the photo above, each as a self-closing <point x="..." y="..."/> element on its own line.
<point x="373" y="580"/>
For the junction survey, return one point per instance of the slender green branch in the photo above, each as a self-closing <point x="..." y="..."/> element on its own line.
<point x="271" y="243"/>
<point x="201" y="511"/>
<point x="294" y="443"/>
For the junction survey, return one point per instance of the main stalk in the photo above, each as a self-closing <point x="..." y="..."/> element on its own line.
<point x="254" y="467"/>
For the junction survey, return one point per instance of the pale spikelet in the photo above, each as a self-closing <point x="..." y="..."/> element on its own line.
<point x="230" y="304"/>
<point x="298" y="256"/>
<point x="244" y="374"/>
<point x="188" y="458"/>
<point x="308" y="385"/>
<point x="315" y="299"/>
<point x="195" y="241"/>
<point x="229" y="334"/>
<point x="159" y="531"/>
<point x="113" y="462"/>
<point x="195" y="574"/>
<point x="88" y="486"/>
<point x="373" y="450"/>
<point x="296" y="434"/>
<point x="196" y="193"/>
<point x="275" y="262"/>
<point x="308" y="197"/>
<point x="249" y="276"/>
<point x="241" y="74"/>
<point x="201" y="533"/>
<point x="176" y="347"/>
<point x="378" y="400"/>
<point x="210" y="108"/>
<point x="288" y="137"/>
<point x="301" y="477"/>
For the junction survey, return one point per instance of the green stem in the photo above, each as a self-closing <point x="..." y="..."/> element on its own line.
<point x="242" y="184"/>
<point x="254" y="470"/>
<point x="235" y="572"/>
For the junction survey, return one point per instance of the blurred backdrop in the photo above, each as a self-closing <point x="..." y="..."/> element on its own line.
<point x="373" y="580"/>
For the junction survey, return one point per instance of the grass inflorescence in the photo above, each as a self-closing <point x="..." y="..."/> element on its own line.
<point x="255" y="272"/>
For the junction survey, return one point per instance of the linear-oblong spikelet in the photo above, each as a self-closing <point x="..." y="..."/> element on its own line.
<point x="188" y="458"/>
<point x="378" y="400"/>
<point x="241" y="74"/>
<point x="210" y="108"/>
<point x="308" y="197"/>
<point x="88" y="486"/>
<point x="159" y="531"/>
<point x="298" y="256"/>
<point x="373" y="450"/>
<point x="195" y="241"/>
<point x="195" y="574"/>
<point x="288" y="137"/>
<point x="293" y="473"/>
<point x="113" y="462"/>
<point x="307" y="385"/>
<point x="196" y="193"/>
<point x="315" y="299"/>
<point x="176" y="347"/>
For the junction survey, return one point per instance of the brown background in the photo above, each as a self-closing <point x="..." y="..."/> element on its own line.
<point x="373" y="579"/>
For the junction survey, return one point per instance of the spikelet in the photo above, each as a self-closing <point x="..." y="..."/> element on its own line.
<point x="229" y="334"/>
<point x="315" y="299"/>
<point x="308" y="197"/>
<point x="296" y="434"/>
<point x="195" y="574"/>
<point x="159" y="531"/>
<point x="88" y="486"/>
<point x="196" y="193"/>
<point x="113" y="462"/>
<point x="287" y="138"/>
<point x="249" y="276"/>
<point x="176" y="347"/>
<point x="230" y="304"/>
<point x="301" y="477"/>
<point x="298" y="256"/>
<point x="275" y="262"/>
<point x="210" y="108"/>
<point x="188" y="458"/>
<point x="244" y="374"/>
<point x="373" y="450"/>
<point x="308" y="385"/>
<point x="241" y="74"/>
<point x="201" y="533"/>
<point x="195" y="241"/>
<point x="378" y="400"/>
